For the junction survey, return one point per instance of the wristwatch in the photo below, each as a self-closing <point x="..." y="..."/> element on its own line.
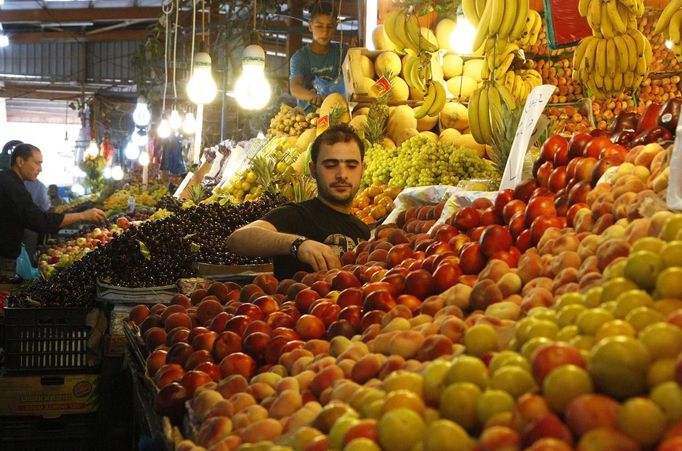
<point x="296" y="244"/>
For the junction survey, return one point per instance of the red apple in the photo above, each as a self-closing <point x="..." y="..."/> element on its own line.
<point x="225" y="344"/>
<point x="238" y="363"/>
<point x="309" y="327"/>
<point x="495" y="238"/>
<point x="471" y="258"/>
<point x="420" y="283"/>
<point x="170" y="402"/>
<point x="466" y="218"/>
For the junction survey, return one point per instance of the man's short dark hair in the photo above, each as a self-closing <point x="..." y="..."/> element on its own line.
<point x="10" y="145"/>
<point x="341" y="133"/>
<point x="22" y="151"/>
<point x="322" y="9"/>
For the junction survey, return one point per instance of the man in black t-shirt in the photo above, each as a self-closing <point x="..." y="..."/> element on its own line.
<point x="312" y="235"/>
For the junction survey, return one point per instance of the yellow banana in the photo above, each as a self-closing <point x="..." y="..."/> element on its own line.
<point x="624" y="13"/>
<point x="469" y="10"/>
<point x="638" y="81"/>
<point x="510" y="11"/>
<point x="606" y="26"/>
<point x="510" y="49"/>
<point x="537" y="27"/>
<point x="483" y="26"/>
<point x="401" y="32"/>
<point x="504" y="67"/>
<point x="611" y="55"/>
<point x="619" y="26"/>
<point x="495" y="108"/>
<point x="496" y="15"/>
<point x="409" y="71"/>
<point x="429" y="99"/>
<point x="473" y="116"/>
<point x="412" y="32"/>
<point x="480" y="7"/>
<point x="629" y="79"/>
<point x="598" y="80"/>
<point x="622" y="49"/>
<point x="441" y="98"/>
<point x="509" y="80"/>
<point x="639" y="40"/>
<point x="618" y="82"/>
<point x="579" y="52"/>
<point x="506" y="96"/>
<point x="518" y="85"/>
<point x="648" y="53"/>
<point x="390" y="28"/>
<point x="666" y="15"/>
<point x="594" y="14"/>
<point x="600" y="58"/>
<point x="484" y="115"/>
<point x="632" y="52"/>
<point x="522" y="8"/>
<point x="674" y="29"/>
<point x="583" y="6"/>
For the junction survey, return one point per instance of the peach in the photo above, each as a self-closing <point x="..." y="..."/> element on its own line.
<point x="406" y="343"/>
<point x="434" y="346"/>
<point x="260" y="391"/>
<point x="565" y="276"/>
<point x="367" y="367"/>
<point x="530" y="266"/>
<point x="537" y="297"/>
<point x="548" y="426"/>
<point x="607" y="439"/>
<point x="432" y="305"/>
<point x="286" y="403"/>
<point x="499" y="437"/>
<point x="304" y="379"/>
<point x="509" y="284"/>
<point x="316" y="346"/>
<point x="453" y="328"/>
<point x="610" y="250"/>
<point x="565" y="259"/>
<point x="213" y="430"/>
<point x="590" y="411"/>
<point x="393" y="363"/>
<point x="325" y="378"/>
<point x="232" y="385"/>
<point x="328" y="415"/>
<point x="494" y="270"/>
<point x="484" y="293"/>
<point x="538" y="282"/>
<point x="457" y="295"/>
<point x="265" y="429"/>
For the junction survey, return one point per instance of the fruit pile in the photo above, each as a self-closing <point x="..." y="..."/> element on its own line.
<point x="421" y="161"/>
<point x="154" y="253"/>
<point x="118" y="201"/>
<point x="291" y="122"/>
<point x="374" y="202"/>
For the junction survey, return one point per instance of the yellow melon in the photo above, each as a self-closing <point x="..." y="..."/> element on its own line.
<point x="461" y="86"/>
<point x="416" y="94"/>
<point x="405" y="134"/>
<point x="453" y="65"/>
<point x="362" y="110"/>
<point x="380" y="39"/>
<point x="426" y="123"/>
<point x="387" y="62"/>
<point x="449" y="136"/>
<point x="305" y="139"/>
<point x="474" y="68"/>
<point x="366" y="84"/>
<point x="454" y="115"/>
<point x="431" y="135"/>
<point x="444" y="31"/>
<point x="467" y="141"/>
<point x="330" y="102"/>
<point x="400" y="119"/>
<point x="388" y="143"/>
<point x="367" y="66"/>
<point x="359" y="123"/>
<point x="400" y="92"/>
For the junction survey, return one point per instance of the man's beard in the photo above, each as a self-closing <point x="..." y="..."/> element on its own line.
<point x="327" y="194"/>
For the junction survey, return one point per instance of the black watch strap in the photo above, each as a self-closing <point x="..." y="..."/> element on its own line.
<point x="296" y="244"/>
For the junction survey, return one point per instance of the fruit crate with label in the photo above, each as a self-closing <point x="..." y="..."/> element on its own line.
<point x="47" y="339"/>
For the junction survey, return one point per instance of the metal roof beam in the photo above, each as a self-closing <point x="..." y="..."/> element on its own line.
<point x="66" y="36"/>
<point x="78" y="15"/>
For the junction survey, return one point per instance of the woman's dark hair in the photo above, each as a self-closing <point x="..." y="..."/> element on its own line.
<point x="322" y="8"/>
<point x="22" y="151"/>
<point x="341" y="133"/>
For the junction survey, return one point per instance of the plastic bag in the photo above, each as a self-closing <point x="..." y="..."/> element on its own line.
<point x="24" y="268"/>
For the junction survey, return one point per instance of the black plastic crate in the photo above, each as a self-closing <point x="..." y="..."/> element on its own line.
<point x="45" y="339"/>
<point x="65" y="433"/>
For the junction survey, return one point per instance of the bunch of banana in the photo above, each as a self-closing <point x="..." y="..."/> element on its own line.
<point x="613" y="17"/>
<point x="520" y="83"/>
<point x="532" y="29"/>
<point x="499" y="19"/>
<point x="607" y="66"/>
<point x="485" y="110"/>
<point x="416" y="71"/>
<point x="434" y="100"/>
<point x="499" y="56"/>
<point x="403" y="30"/>
<point x="670" y="22"/>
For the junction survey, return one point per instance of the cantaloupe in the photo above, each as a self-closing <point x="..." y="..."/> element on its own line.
<point x="400" y="118"/>
<point x="367" y="66"/>
<point x="444" y="31"/>
<point x="400" y="92"/>
<point x="426" y="123"/>
<point x="388" y="143"/>
<point x="454" y="115"/>
<point x="332" y="100"/>
<point x="366" y="84"/>
<point x="453" y="65"/>
<point x="381" y="40"/>
<point x="431" y="135"/>
<point x="387" y="62"/>
<point x="449" y="136"/>
<point x="362" y="110"/>
<point x="405" y="134"/>
<point x="467" y="141"/>
<point x="416" y="94"/>
<point x="305" y="139"/>
<point x="474" y="68"/>
<point x="359" y="123"/>
<point x="461" y="87"/>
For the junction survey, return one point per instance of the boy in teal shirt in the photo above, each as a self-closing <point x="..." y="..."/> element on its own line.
<point x="315" y="69"/>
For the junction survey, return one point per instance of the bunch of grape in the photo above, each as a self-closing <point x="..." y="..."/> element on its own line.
<point x="378" y="160"/>
<point x="156" y="253"/>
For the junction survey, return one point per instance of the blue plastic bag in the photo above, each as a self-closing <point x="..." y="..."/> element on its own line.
<point x="24" y="268"/>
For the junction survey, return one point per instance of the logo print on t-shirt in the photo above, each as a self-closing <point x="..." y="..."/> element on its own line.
<point x="340" y="243"/>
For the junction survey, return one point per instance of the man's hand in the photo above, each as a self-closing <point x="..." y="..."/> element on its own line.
<point x="318" y="255"/>
<point x="316" y="99"/>
<point x="93" y="215"/>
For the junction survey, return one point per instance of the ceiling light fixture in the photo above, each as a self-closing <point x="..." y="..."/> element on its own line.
<point x="4" y="40"/>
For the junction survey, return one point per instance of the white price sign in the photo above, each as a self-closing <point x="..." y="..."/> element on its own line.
<point x="535" y="105"/>
<point x="674" y="195"/>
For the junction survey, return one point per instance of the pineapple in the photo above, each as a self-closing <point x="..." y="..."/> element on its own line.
<point x="503" y="137"/>
<point x="376" y="120"/>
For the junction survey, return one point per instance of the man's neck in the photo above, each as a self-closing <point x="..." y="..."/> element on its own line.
<point x="319" y="48"/>
<point x="340" y="208"/>
<point x="17" y="173"/>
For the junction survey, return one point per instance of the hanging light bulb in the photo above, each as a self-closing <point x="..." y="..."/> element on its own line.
<point x="92" y="151"/>
<point x="189" y="125"/>
<point x="144" y="158"/>
<point x="201" y="87"/>
<point x="252" y="88"/>
<point x="140" y="138"/>
<point x="462" y="37"/>
<point x="164" y="129"/>
<point x="117" y="172"/>
<point x="141" y="115"/>
<point x="106" y="172"/>
<point x="175" y="120"/>
<point x="668" y="44"/>
<point x="132" y="151"/>
<point x="78" y="189"/>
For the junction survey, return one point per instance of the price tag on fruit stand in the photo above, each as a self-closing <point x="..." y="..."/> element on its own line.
<point x="674" y="194"/>
<point x="381" y="87"/>
<point x="532" y="110"/>
<point x="183" y="185"/>
<point x="322" y="124"/>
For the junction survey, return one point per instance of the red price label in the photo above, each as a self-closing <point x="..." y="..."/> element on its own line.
<point x="322" y="124"/>
<point x="381" y="87"/>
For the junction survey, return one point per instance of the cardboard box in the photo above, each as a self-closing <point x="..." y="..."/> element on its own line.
<point x="49" y="396"/>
